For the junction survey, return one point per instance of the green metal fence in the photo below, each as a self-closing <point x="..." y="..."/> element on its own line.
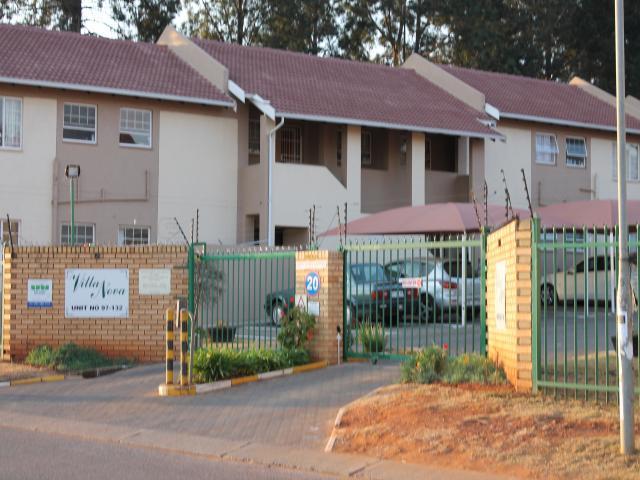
<point x="573" y="303"/>
<point x="239" y="296"/>
<point x="400" y="297"/>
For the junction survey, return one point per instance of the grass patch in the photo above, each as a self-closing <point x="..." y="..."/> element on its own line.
<point x="212" y="364"/>
<point x="71" y="358"/>
<point x="434" y="365"/>
<point x="372" y="337"/>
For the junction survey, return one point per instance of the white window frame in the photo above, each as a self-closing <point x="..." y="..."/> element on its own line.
<point x="124" y="130"/>
<point x="122" y="234"/>
<point x="296" y="157"/>
<point x="253" y="124"/>
<point x="404" y="150"/>
<point x="551" y="152"/>
<point x="15" y="235"/>
<point x="84" y="225"/>
<point x="369" y="154"/>
<point x="3" y="122"/>
<point x="614" y="162"/>
<point x="566" y="154"/>
<point x="94" y="130"/>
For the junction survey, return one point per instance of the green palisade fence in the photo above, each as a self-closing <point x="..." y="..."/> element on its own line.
<point x="575" y="274"/>
<point x="402" y="296"/>
<point x="240" y="296"/>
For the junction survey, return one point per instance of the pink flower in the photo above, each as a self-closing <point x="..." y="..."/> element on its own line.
<point x="445" y="347"/>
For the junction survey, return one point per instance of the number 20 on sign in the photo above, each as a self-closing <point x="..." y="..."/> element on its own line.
<point x="312" y="283"/>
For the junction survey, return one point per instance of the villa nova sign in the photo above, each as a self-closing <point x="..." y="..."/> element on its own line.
<point x="100" y="293"/>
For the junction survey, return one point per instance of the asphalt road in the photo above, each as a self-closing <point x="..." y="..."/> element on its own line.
<point x="33" y="456"/>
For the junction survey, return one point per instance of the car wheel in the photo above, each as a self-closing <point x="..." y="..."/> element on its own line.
<point x="277" y="312"/>
<point x="548" y="294"/>
<point x="427" y="309"/>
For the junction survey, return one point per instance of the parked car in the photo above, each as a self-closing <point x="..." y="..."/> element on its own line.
<point x="570" y="284"/>
<point x="442" y="281"/>
<point x="369" y="293"/>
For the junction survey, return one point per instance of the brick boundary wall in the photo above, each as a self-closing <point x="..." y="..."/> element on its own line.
<point x="511" y="347"/>
<point x="141" y="336"/>
<point x="328" y="266"/>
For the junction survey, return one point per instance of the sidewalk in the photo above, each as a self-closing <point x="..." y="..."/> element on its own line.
<point x="283" y="422"/>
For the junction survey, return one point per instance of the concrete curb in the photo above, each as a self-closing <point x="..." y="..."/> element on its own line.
<point x="202" y="388"/>
<point x="33" y="380"/>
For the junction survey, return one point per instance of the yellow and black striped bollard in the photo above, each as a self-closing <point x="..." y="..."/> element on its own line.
<point x="184" y="353"/>
<point x="170" y="318"/>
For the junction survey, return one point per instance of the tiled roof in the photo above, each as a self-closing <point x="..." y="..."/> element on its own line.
<point x="543" y="99"/>
<point x="333" y="89"/>
<point x="34" y="56"/>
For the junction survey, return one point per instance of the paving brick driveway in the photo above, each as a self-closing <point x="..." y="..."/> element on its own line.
<point x="297" y="410"/>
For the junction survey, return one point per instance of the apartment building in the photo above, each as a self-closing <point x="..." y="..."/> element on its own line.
<point x="562" y="135"/>
<point x="152" y="137"/>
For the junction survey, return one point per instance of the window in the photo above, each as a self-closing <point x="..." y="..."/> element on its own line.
<point x="79" y="123"/>
<point x="4" y="231"/>
<point x="427" y="154"/>
<point x="10" y="122"/>
<point x="85" y="234"/>
<point x="339" y="148"/>
<point x="546" y="149"/>
<point x="135" y="127"/>
<point x="365" y="149"/>
<point x="633" y="162"/>
<point x="403" y="151"/>
<point x="133" y="236"/>
<point x="254" y="136"/>
<point x="291" y="145"/>
<point x="576" y="152"/>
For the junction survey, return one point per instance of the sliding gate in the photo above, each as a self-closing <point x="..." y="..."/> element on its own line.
<point x="400" y="297"/>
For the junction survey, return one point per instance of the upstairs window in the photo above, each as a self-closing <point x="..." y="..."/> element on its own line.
<point x="133" y="236"/>
<point x="5" y="225"/>
<point x="291" y="145"/>
<point x="10" y="122"/>
<point x="365" y="149"/>
<point x="546" y="149"/>
<point x="135" y="128"/>
<point x="85" y="234"/>
<point x="576" y="152"/>
<point x="633" y="162"/>
<point x="79" y="123"/>
<point x="254" y="136"/>
<point x="403" y="151"/>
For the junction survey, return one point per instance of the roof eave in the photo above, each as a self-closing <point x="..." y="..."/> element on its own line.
<point x="117" y="91"/>
<point x="568" y="123"/>
<point x="392" y="126"/>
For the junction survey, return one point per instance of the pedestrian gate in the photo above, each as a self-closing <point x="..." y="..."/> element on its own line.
<point x="402" y="296"/>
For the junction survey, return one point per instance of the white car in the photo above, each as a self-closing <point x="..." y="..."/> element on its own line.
<point x="576" y="284"/>
<point x="441" y="283"/>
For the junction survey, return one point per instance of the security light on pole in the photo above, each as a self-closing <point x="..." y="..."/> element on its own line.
<point x="72" y="172"/>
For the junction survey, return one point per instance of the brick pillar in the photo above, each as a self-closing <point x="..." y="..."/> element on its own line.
<point x="5" y="353"/>
<point x="328" y="266"/>
<point x="509" y="341"/>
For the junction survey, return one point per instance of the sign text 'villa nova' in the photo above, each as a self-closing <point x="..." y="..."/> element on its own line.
<point x="98" y="293"/>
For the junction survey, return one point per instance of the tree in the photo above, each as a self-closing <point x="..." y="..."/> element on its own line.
<point x="235" y="21"/>
<point x="143" y="20"/>
<point x="306" y="26"/>
<point x="57" y="14"/>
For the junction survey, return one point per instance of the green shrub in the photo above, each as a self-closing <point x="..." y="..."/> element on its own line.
<point x="434" y="365"/>
<point x="473" y="368"/>
<point x="372" y="337"/>
<point x="426" y="366"/>
<point x="212" y="364"/>
<point x="70" y="357"/>
<point x="296" y="329"/>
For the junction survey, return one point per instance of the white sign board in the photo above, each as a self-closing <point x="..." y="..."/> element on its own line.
<point x="312" y="265"/>
<point x="39" y="293"/>
<point x="313" y="307"/>
<point x="501" y="295"/>
<point x="411" y="282"/>
<point x="99" y="293"/>
<point x="154" y="281"/>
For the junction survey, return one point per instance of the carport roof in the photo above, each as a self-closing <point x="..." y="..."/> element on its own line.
<point x="308" y="87"/>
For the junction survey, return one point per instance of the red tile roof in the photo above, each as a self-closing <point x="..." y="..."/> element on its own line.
<point x="345" y="91"/>
<point x="543" y="99"/>
<point x="35" y="56"/>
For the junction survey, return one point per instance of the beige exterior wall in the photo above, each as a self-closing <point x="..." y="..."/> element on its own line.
<point x="198" y="170"/>
<point x="477" y="162"/>
<point x="603" y="180"/>
<point x="441" y="187"/>
<point x="510" y="155"/>
<point x="26" y="178"/>
<point x="117" y="184"/>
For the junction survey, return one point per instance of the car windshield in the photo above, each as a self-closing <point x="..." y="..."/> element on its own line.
<point x="368" y="273"/>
